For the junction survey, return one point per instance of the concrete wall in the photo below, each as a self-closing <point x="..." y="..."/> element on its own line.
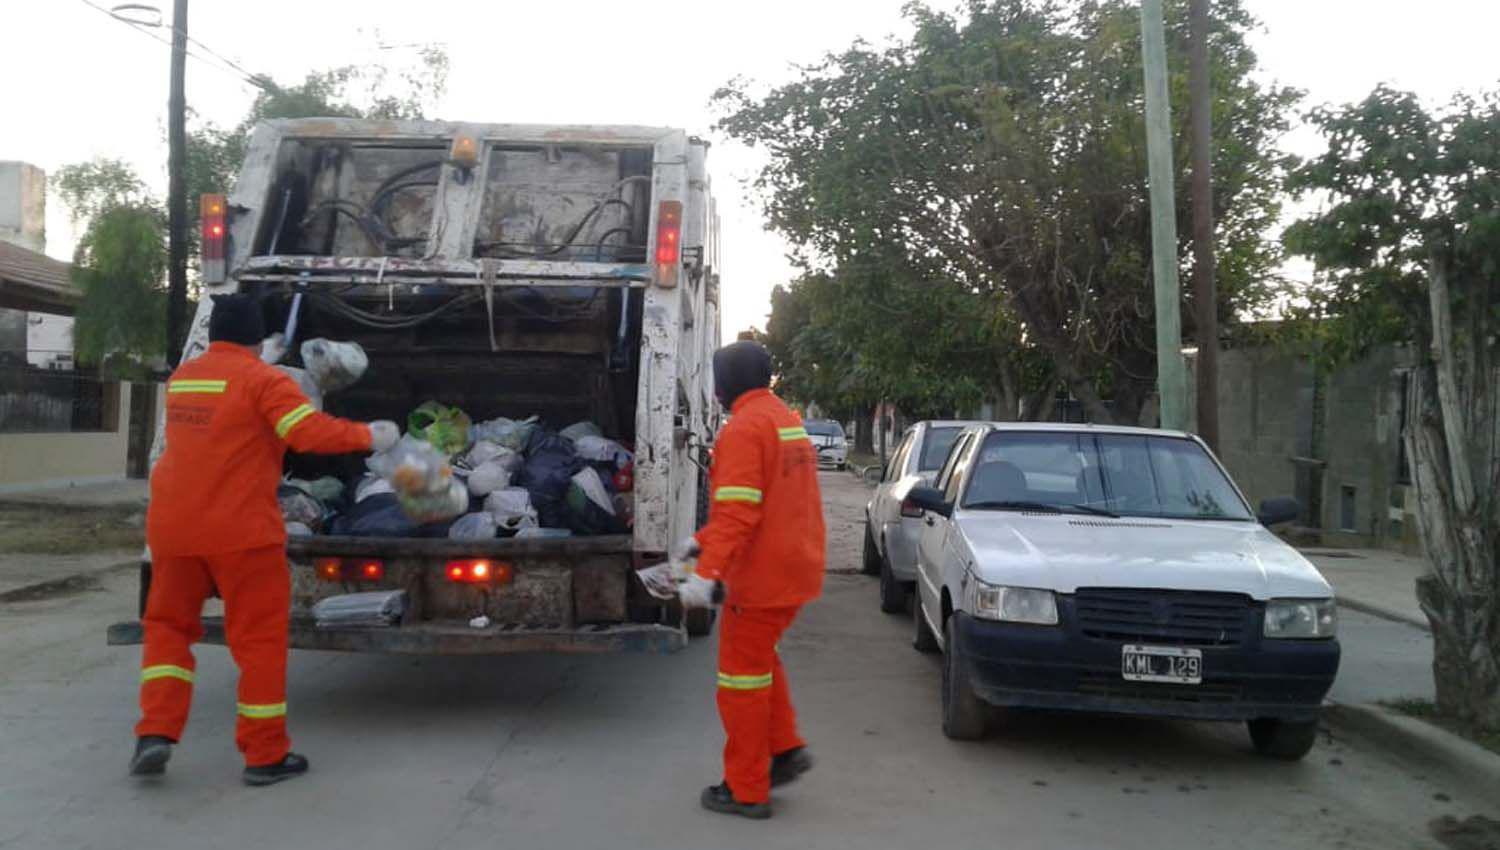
<point x="1259" y="409"/>
<point x="23" y="205"/>
<point x="34" y="461"/>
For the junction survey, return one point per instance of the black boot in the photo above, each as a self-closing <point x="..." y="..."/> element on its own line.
<point x="151" y="755"/>
<point x="787" y="766"/>
<point x="718" y="798"/>
<point x="270" y="774"/>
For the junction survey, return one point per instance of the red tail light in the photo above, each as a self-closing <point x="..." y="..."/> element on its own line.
<point x="214" y="212"/>
<point x="330" y="569"/>
<point x="335" y="569"/>
<point x="371" y="570"/>
<point x="910" y="509"/>
<point x="668" y="242"/>
<point x="479" y="571"/>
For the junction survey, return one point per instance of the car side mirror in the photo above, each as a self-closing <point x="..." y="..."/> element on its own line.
<point x="930" y="499"/>
<point x="1278" y="510"/>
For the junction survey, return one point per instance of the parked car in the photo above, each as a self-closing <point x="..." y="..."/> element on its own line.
<point x="828" y="438"/>
<point x="1117" y="570"/>
<point x="890" y="532"/>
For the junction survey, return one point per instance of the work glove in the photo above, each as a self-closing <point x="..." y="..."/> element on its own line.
<point x="700" y="592"/>
<point x="273" y="348"/>
<point x="686" y="549"/>
<point x="383" y="435"/>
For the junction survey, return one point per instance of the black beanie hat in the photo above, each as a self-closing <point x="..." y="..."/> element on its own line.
<point x="738" y="368"/>
<point x="237" y="319"/>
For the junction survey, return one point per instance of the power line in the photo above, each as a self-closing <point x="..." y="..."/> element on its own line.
<point x="260" y="82"/>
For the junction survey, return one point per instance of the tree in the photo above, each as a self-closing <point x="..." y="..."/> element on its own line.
<point x="1409" y="248"/>
<point x="119" y="265"/>
<point x="1004" y="150"/>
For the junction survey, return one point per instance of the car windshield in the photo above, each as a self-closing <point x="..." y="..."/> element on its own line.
<point x="1125" y="474"/>
<point x="824" y="429"/>
<point x="935" y="448"/>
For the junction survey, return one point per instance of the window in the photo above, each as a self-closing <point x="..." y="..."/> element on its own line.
<point x="1147" y="476"/>
<point x="958" y="466"/>
<point x="946" y="475"/>
<point x="935" y="446"/>
<point x="824" y="428"/>
<point x="897" y="464"/>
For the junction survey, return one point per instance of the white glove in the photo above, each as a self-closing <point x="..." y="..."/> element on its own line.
<point x="384" y="434"/>
<point x="686" y="549"/>
<point x="273" y="348"/>
<point x="700" y="592"/>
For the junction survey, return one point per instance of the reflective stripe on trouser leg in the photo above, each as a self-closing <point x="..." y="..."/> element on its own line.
<point x="172" y="624"/>
<point x="257" y="600"/>
<point x="748" y="695"/>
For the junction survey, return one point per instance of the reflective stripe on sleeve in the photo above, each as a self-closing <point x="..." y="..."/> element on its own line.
<point x="744" y="683"/>
<point x="166" y="671"/>
<point x="285" y="425"/>
<point x="186" y="386"/>
<point x="789" y="434"/>
<point x="262" y="712"/>
<point x="737" y="494"/>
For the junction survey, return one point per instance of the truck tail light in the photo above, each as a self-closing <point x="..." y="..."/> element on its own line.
<point x="214" y="212"/>
<point x="336" y="569"/>
<point x="668" y="242"/>
<point x="479" y="571"/>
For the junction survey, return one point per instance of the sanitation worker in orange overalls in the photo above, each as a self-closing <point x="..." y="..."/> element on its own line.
<point x="761" y="555"/>
<point x="214" y="523"/>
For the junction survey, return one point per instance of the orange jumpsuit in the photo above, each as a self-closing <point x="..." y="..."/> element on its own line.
<point x="214" y="523"/>
<point x="765" y="540"/>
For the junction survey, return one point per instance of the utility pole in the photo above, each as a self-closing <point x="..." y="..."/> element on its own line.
<point x="1171" y="374"/>
<point x="177" y="188"/>
<point x="1205" y="293"/>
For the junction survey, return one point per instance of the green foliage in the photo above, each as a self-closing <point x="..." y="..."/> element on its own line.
<point x="1002" y="150"/>
<point x="119" y="266"/>
<point x="89" y="188"/>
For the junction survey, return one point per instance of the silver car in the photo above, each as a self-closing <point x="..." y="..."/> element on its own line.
<point x="828" y="438"/>
<point x="891" y="530"/>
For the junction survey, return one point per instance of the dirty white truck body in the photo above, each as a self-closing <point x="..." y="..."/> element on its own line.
<point x="574" y="301"/>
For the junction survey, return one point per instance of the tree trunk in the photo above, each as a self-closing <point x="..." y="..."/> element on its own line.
<point x="1461" y="596"/>
<point x="1038" y="406"/>
<point x="864" y="429"/>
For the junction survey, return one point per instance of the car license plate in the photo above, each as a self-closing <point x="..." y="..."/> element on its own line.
<point x="1162" y="664"/>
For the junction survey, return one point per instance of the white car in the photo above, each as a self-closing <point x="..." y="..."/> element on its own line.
<point x="828" y="438"/>
<point x="1118" y="570"/>
<point x="891" y="531"/>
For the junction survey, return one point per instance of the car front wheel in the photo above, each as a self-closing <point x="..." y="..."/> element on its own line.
<point x="1288" y="740"/>
<point x="965" y="715"/>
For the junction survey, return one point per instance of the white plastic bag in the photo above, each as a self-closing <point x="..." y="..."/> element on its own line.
<point x="306" y="384"/>
<point x="371" y="485"/>
<point x="509" y="433"/>
<point x="511" y="507"/>
<point x="334" y="365"/>
<point x="489" y="477"/>
<point x="298" y="529"/>
<point x="413" y="468"/>
<point x="475" y="526"/>
<point x="579" y="430"/>
<point x="602" y="450"/>
<point x="593" y="487"/>
<point x="436" y="507"/>
<point x="485" y="451"/>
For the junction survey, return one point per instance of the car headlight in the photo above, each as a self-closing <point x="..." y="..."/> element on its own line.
<point x="1012" y="604"/>
<point x="1301" y="618"/>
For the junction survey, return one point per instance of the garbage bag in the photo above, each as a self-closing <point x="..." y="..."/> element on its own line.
<point x="581" y="429"/>
<point x="371" y="485"/>
<point x="325" y="489"/>
<point x="376" y="515"/>
<point x="306" y="384"/>
<point x="485" y="451"/>
<point x="475" y="526"/>
<point x="602" y="450"/>
<point x="372" y="609"/>
<point x="413" y="467"/>
<point x="446" y="428"/>
<point x="298" y="529"/>
<point x="333" y="366"/>
<point x="436" y="507"/>
<point x="512" y="509"/>
<point x="509" y="433"/>
<point x="591" y="509"/>
<point x="298" y="505"/>
<point x="489" y="477"/>
<point x="551" y="464"/>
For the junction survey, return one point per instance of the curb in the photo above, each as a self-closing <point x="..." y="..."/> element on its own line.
<point x="1384" y="613"/>
<point x="1418" y="741"/>
<point x="65" y="585"/>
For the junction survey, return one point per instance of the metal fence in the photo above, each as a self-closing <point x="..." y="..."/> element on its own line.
<point x="52" y="401"/>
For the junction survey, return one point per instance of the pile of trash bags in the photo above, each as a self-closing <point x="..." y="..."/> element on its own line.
<point x="451" y="477"/>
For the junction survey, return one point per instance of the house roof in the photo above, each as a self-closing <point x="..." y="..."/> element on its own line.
<point x="33" y="281"/>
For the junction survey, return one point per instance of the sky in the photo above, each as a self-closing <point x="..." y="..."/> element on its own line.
<point x="80" y="84"/>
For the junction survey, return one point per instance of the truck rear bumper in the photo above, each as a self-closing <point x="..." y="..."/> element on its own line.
<point x="452" y="638"/>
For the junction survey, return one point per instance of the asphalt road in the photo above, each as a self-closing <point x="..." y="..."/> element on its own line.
<point x="548" y="752"/>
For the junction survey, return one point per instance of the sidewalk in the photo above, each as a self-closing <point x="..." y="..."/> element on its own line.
<point x="1374" y="581"/>
<point x="33" y="572"/>
<point x="125" y="492"/>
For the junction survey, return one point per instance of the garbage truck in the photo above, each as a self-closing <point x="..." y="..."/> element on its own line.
<point x="544" y="273"/>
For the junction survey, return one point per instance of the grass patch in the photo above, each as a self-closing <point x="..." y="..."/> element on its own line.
<point x="27" y="529"/>
<point x="1426" y="709"/>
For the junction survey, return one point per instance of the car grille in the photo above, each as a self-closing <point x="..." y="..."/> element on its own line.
<point x="1184" y="618"/>
<point x="1111" y="685"/>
